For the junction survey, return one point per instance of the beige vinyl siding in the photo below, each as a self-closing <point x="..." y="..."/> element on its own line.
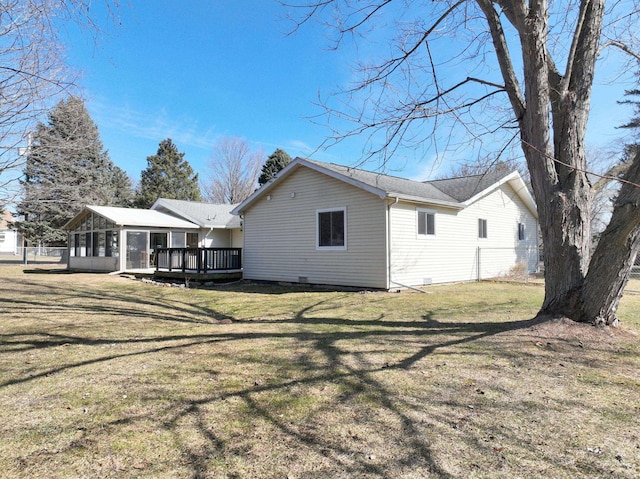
<point x="216" y="238"/>
<point x="280" y="234"/>
<point x="236" y="238"/>
<point x="452" y="254"/>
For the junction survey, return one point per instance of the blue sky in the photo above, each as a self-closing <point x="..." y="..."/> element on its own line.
<point x="196" y="71"/>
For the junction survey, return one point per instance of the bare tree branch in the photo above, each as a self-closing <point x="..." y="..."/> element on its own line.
<point x="621" y="46"/>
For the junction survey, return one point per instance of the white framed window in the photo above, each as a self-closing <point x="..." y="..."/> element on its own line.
<point x="2" y="237"/>
<point x="482" y="228"/>
<point x="331" y="229"/>
<point x="426" y="223"/>
<point x="521" y="235"/>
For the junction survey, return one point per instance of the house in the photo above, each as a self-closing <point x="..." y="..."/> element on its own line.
<point x="107" y="238"/>
<point x="10" y="240"/>
<point x="323" y="223"/>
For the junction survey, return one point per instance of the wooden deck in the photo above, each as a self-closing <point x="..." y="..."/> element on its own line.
<point x="203" y="264"/>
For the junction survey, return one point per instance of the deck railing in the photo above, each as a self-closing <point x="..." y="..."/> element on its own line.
<point x="198" y="260"/>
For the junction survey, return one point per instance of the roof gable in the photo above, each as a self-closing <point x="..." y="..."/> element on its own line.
<point x="383" y="186"/>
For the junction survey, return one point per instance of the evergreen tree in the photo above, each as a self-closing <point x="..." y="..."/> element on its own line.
<point x="168" y="175"/>
<point x="275" y="162"/>
<point x="634" y="124"/>
<point x="66" y="169"/>
<point x="121" y="188"/>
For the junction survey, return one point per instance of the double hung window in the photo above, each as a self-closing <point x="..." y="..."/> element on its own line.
<point x="426" y="223"/>
<point x="332" y="229"/>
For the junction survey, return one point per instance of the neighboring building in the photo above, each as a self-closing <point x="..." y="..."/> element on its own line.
<point x="106" y="238"/>
<point x="10" y="240"/>
<point x="322" y="223"/>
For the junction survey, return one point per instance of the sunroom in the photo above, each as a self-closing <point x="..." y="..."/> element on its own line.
<point x="104" y="238"/>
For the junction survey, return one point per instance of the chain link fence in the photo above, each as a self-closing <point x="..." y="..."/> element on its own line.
<point x="523" y="265"/>
<point x="510" y="264"/>
<point x="36" y="255"/>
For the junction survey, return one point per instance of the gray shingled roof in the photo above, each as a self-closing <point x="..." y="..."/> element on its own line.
<point x="466" y="187"/>
<point x="392" y="185"/>
<point x="203" y="214"/>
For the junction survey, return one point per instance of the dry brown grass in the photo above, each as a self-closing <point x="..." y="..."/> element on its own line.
<point x="102" y="376"/>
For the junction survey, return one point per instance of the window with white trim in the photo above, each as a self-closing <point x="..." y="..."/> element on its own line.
<point x="521" y="236"/>
<point x="331" y="229"/>
<point x="482" y="228"/>
<point x="426" y="223"/>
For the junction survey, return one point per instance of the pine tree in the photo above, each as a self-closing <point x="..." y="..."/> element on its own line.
<point x="168" y="175"/>
<point x="66" y="169"/>
<point x="632" y="147"/>
<point x="121" y="188"/>
<point x="275" y="162"/>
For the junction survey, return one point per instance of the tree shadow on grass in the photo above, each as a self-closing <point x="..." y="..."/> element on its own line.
<point x="326" y="352"/>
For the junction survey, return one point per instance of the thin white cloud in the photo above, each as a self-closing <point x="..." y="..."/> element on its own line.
<point x="156" y="126"/>
<point x="427" y="169"/>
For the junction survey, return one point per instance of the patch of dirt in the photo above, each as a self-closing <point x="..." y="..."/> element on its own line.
<point x="566" y="329"/>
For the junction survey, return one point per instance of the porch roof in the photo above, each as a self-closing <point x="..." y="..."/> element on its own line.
<point x="134" y="217"/>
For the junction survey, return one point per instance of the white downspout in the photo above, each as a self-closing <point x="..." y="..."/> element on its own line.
<point x="389" y="205"/>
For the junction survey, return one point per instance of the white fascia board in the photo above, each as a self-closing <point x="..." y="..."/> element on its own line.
<point x="511" y="176"/>
<point x="515" y="181"/>
<point x="523" y="192"/>
<point x="67" y="225"/>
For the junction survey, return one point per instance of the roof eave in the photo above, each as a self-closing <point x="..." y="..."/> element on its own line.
<point x="160" y="202"/>
<point x="425" y="201"/>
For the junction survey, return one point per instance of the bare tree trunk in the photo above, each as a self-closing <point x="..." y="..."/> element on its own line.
<point x="560" y="183"/>
<point x="614" y="256"/>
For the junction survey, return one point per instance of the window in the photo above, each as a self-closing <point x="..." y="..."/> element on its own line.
<point x="192" y="240"/>
<point x="81" y="244"/>
<point x="178" y="240"/>
<point x="95" y="243"/>
<point x="112" y="248"/>
<point x="426" y="223"/>
<point x="87" y="243"/>
<point x="520" y="231"/>
<point x="332" y="229"/>
<point x="2" y="237"/>
<point x="482" y="228"/>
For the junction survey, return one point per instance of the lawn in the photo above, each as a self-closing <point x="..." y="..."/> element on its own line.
<point x="104" y="376"/>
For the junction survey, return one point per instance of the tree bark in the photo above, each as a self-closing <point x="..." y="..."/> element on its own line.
<point x="613" y="258"/>
<point x="553" y="128"/>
